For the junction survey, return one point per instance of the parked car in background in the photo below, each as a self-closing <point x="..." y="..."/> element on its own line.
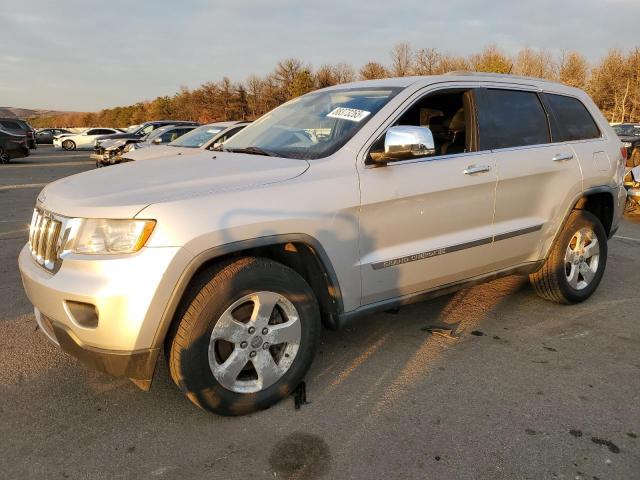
<point x="12" y="146"/>
<point x="20" y="127"/>
<point x="206" y="137"/>
<point x="45" y="136"/>
<point x="134" y="135"/>
<point x="160" y="136"/>
<point x="629" y="133"/>
<point x="82" y="141"/>
<point x="348" y="201"/>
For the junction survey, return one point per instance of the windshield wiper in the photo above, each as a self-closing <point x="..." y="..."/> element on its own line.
<point x="251" y="151"/>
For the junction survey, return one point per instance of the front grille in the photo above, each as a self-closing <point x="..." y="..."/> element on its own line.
<point x="44" y="239"/>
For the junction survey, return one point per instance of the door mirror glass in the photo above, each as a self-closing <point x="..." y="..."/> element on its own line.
<point x="405" y="142"/>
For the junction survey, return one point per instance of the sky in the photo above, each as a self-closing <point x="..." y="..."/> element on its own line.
<point x="87" y="55"/>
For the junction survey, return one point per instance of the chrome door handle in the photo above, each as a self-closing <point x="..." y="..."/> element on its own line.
<point x="473" y="169"/>
<point x="561" y="157"/>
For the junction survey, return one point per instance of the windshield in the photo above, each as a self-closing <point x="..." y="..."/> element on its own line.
<point x="198" y="137"/>
<point x="132" y="128"/>
<point x="627" y="130"/>
<point x="313" y="126"/>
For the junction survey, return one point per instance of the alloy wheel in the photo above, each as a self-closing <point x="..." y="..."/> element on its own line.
<point x="582" y="258"/>
<point x="255" y="341"/>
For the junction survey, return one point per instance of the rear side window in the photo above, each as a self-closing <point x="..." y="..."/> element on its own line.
<point x="511" y="118"/>
<point x="573" y="120"/>
<point x="11" y="125"/>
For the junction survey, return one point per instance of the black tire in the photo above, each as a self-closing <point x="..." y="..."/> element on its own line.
<point x="208" y="297"/>
<point x="4" y="157"/>
<point x="68" y="145"/>
<point x="550" y="282"/>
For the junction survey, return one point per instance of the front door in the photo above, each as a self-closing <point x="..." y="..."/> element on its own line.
<point x="427" y="222"/>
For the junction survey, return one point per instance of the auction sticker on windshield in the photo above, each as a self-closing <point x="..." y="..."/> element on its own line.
<point x="351" y="114"/>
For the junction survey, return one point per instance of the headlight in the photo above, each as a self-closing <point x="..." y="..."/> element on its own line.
<point x="626" y="144"/>
<point x="106" y="236"/>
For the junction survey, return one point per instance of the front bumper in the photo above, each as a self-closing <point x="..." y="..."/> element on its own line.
<point x="128" y="293"/>
<point x="137" y="366"/>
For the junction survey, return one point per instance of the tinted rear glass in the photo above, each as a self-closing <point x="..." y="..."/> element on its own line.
<point x="512" y="118"/>
<point x="11" y="125"/>
<point x="574" y="122"/>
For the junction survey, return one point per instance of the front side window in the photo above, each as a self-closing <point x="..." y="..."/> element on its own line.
<point x="197" y="137"/>
<point x="511" y="118"/>
<point x="313" y="126"/>
<point x="573" y="120"/>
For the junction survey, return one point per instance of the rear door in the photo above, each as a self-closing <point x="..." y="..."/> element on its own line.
<point x="572" y="125"/>
<point x="536" y="179"/>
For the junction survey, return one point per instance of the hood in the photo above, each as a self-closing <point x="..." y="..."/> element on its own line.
<point x="112" y="143"/>
<point x="113" y="136"/>
<point x="122" y="191"/>
<point x="162" y="151"/>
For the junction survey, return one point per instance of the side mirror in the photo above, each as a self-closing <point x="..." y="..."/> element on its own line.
<point x="404" y="143"/>
<point x="157" y="140"/>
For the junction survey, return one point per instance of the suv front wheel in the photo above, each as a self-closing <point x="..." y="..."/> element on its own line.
<point x="576" y="262"/>
<point x="247" y="334"/>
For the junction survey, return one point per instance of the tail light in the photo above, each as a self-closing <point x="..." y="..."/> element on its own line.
<point x="30" y="134"/>
<point x="624" y="153"/>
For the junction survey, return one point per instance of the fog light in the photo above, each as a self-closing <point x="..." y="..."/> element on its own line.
<point x="84" y="314"/>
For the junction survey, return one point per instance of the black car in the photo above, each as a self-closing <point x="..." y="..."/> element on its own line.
<point x="134" y="135"/>
<point x="46" y="135"/>
<point x="12" y="146"/>
<point x="19" y="127"/>
<point x="629" y="133"/>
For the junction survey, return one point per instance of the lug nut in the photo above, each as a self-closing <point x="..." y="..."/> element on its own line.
<point x="243" y="344"/>
<point x="252" y="330"/>
<point x="252" y="354"/>
<point x="265" y="346"/>
<point x="265" y="331"/>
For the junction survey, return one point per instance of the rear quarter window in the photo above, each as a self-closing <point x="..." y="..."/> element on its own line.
<point x="511" y="118"/>
<point x="572" y="119"/>
<point x="11" y="125"/>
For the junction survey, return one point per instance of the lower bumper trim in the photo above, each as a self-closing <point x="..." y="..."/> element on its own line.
<point x="137" y="366"/>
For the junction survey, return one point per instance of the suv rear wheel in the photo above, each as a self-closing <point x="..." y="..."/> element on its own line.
<point x="4" y="156"/>
<point x="576" y="263"/>
<point x="247" y="336"/>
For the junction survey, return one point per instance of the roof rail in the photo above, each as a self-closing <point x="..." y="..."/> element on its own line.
<point x="497" y="75"/>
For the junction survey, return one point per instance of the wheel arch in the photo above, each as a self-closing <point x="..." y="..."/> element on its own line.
<point x="600" y="201"/>
<point x="301" y="252"/>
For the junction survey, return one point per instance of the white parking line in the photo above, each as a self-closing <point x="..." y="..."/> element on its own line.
<point x="24" y="185"/>
<point x="23" y="230"/>
<point x="45" y="164"/>
<point x="627" y="238"/>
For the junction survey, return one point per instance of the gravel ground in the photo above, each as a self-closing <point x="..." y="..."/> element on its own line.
<point x="530" y="390"/>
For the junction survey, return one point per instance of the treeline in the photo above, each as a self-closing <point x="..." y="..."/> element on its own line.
<point x="613" y="82"/>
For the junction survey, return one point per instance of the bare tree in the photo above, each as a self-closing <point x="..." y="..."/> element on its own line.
<point x="491" y="59"/>
<point x="573" y="69"/>
<point x="427" y="62"/>
<point x="402" y="60"/>
<point x="372" y="70"/>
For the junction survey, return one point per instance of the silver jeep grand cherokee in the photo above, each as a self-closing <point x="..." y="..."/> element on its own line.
<point x="338" y="204"/>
